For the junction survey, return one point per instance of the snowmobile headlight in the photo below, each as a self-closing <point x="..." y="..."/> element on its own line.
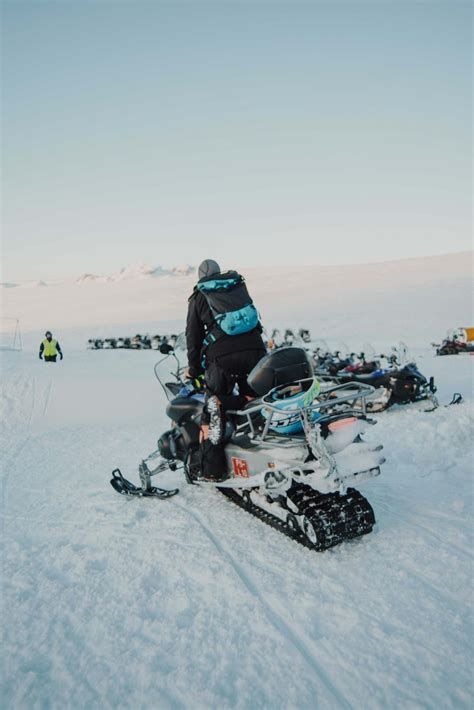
<point x="167" y="446"/>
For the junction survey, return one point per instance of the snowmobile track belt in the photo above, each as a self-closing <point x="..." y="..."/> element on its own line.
<point x="334" y="517"/>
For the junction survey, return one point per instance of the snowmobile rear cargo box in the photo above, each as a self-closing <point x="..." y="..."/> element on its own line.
<point x="280" y="367"/>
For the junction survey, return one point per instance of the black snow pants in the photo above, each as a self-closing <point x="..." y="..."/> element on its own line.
<point x="221" y="376"/>
<point x="226" y="371"/>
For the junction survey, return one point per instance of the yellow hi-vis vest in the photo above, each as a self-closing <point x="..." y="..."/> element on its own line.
<point x="50" y="347"/>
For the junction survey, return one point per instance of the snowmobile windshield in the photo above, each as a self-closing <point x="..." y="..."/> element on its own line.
<point x="169" y="373"/>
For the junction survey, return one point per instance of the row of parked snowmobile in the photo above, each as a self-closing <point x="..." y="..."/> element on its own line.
<point x="282" y="339"/>
<point x="395" y="377"/>
<point x="457" y="340"/>
<point x="137" y="342"/>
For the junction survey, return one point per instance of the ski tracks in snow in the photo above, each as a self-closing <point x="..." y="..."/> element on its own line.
<point x="24" y="402"/>
<point x="297" y="638"/>
<point x="206" y="606"/>
<point x="17" y="418"/>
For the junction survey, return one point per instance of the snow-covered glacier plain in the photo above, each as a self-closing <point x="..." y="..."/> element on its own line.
<point x="190" y="602"/>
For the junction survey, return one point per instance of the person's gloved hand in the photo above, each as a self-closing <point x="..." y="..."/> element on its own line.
<point x="61" y="356"/>
<point x="198" y="382"/>
<point x="40" y="356"/>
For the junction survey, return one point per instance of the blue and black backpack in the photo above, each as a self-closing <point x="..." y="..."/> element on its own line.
<point x="230" y="303"/>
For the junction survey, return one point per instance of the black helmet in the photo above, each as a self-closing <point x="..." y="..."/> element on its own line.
<point x="208" y="267"/>
<point x="48" y="332"/>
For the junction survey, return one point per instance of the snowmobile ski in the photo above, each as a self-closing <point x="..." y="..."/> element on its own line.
<point x="128" y="488"/>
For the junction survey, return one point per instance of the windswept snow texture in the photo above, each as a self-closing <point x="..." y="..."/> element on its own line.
<point x="190" y="602"/>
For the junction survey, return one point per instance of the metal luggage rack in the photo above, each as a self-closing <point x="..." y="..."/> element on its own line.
<point x="351" y="393"/>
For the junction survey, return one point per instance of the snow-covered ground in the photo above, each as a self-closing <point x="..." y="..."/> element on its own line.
<point x="192" y="603"/>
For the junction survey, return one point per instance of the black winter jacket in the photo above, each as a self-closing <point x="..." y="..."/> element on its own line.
<point x="199" y="322"/>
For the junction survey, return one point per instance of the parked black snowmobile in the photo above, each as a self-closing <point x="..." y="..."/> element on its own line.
<point x="397" y="384"/>
<point x="293" y="453"/>
<point x="136" y="342"/>
<point x="333" y="363"/>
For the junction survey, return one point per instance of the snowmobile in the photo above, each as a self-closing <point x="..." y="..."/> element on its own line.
<point x="399" y="381"/>
<point x="327" y="363"/>
<point x="293" y="453"/>
<point x="272" y="342"/>
<point x="289" y="337"/>
<point x="110" y="344"/>
<point x="360" y="365"/>
<point x="394" y="385"/>
<point x="457" y="341"/>
<point x="334" y="363"/>
<point x="95" y="344"/>
<point x="304" y="335"/>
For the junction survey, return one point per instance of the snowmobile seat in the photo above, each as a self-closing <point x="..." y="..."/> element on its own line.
<point x="182" y="408"/>
<point x="369" y="377"/>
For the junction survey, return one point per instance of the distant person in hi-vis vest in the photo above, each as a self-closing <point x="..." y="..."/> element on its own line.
<point x="49" y="348"/>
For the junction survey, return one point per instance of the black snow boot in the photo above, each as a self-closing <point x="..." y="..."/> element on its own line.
<point x="217" y="420"/>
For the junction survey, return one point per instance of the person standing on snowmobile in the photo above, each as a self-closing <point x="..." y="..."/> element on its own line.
<point x="224" y="343"/>
<point x="50" y="348"/>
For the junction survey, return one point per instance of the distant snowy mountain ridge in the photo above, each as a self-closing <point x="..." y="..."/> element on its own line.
<point x="139" y="271"/>
<point x="91" y="278"/>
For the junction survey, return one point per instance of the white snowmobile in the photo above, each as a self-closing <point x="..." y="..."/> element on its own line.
<point x="292" y="454"/>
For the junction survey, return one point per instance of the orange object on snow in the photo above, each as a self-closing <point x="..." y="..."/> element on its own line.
<point x="334" y="426"/>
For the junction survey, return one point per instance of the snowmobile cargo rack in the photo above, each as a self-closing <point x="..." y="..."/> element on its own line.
<point x="351" y="392"/>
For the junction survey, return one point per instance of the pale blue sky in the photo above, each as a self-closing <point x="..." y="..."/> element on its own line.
<point x="251" y="132"/>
